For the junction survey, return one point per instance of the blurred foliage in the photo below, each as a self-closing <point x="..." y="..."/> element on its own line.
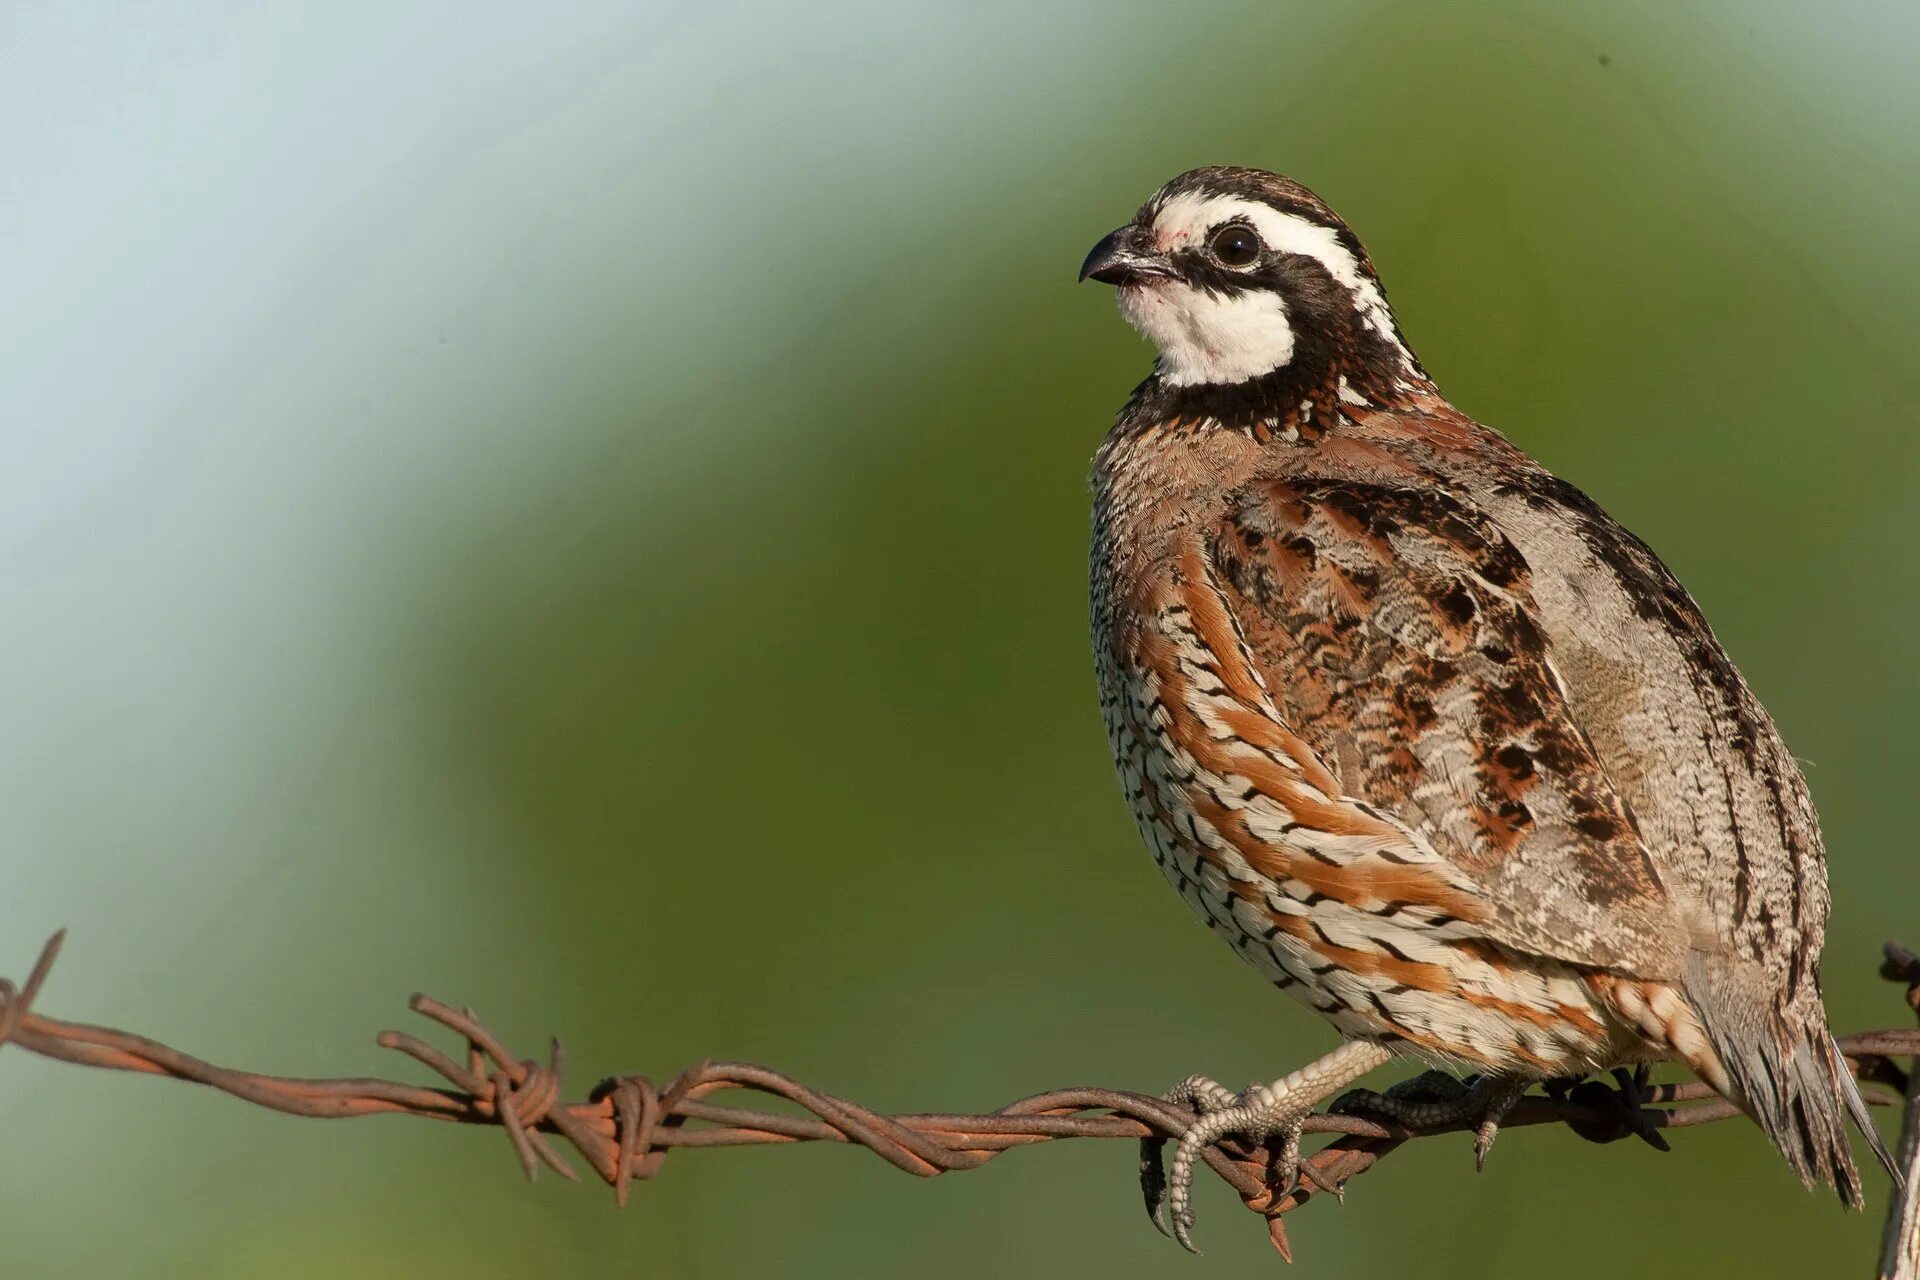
<point x="582" y="512"/>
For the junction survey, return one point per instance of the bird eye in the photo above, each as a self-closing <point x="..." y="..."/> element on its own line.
<point x="1235" y="245"/>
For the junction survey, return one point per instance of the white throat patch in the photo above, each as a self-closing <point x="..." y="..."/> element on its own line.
<point x="1206" y="338"/>
<point x="1209" y="338"/>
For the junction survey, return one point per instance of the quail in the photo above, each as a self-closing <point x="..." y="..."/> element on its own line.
<point x="1417" y="728"/>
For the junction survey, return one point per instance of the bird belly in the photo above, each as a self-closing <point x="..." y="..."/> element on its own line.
<point x="1392" y="970"/>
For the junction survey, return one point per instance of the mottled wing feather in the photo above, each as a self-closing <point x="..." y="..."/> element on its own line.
<point x="1395" y="629"/>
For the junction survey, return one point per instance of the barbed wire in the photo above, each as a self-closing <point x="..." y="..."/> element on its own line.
<point x="1900" y="1236"/>
<point x="626" y="1126"/>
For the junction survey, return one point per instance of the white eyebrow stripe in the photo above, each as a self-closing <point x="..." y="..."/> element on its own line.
<point x="1187" y="217"/>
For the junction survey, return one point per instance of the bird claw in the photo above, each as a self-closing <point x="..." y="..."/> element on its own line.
<point x="1497" y="1100"/>
<point x="1259" y="1113"/>
<point x="1484" y="1134"/>
<point x="1435" y="1100"/>
<point x="1153" y="1181"/>
<point x="1307" y="1173"/>
<point x="1633" y="1095"/>
<point x="1623" y="1104"/>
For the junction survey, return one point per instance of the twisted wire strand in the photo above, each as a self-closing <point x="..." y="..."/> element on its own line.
<point x="626" y="1126"/>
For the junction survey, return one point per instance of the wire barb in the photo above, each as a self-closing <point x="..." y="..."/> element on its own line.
<point x="626" y="1127"/>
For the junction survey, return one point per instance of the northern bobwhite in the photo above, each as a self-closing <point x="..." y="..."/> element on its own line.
<point x="1416" y="727"/>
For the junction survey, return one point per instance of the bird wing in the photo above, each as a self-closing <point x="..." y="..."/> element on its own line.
<point x="1395" y="632"/>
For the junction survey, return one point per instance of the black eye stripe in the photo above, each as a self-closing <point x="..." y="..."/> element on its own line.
<point x="1197" y="267"/>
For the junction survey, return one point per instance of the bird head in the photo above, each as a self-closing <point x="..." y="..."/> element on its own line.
<point x="1238" y="274"/>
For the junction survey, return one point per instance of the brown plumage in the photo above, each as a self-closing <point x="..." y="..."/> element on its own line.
<point x="1417" y="727"/>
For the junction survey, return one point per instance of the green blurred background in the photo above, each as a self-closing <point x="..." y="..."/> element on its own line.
<point x="580" y="510"/>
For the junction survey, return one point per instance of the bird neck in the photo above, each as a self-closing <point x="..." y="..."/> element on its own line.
<point x="1301" y="400"/>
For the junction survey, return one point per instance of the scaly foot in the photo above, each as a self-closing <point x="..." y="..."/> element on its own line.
<point x="1423" y="1103"/>
<point x="1281" y="1107"/>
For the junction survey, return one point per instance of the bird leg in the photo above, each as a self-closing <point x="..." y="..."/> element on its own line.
<point x="1485" y="1101"/>
<point x="1281" y="1107"/>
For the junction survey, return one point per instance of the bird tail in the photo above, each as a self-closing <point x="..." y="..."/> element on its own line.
<point x="1782" y="1067"/>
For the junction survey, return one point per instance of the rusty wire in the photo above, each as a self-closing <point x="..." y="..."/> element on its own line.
<point x="1900" y="1236"/>
<point x="627" y="1125"/>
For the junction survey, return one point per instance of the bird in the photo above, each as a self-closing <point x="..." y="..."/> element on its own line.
<point x="1416" y="727"/>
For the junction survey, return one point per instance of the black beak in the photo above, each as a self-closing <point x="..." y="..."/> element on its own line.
<point x="1124" y="256"/>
